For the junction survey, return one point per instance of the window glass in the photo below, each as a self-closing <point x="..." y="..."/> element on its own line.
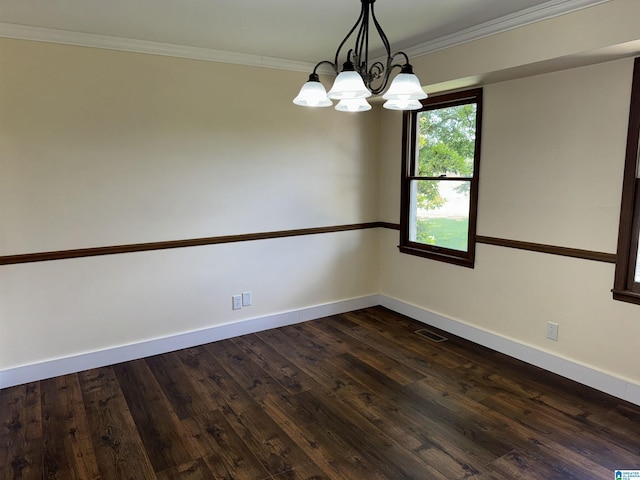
<point x="441" y="157"/>
<point x="446" y="141"/>
<point x="441" y="213"/>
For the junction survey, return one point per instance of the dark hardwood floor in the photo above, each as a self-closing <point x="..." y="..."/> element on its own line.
<point x="353" y="396"/>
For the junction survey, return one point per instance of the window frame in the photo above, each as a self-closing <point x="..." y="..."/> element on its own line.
<point x="409" y="151"/>
<point x="625" y="287"/>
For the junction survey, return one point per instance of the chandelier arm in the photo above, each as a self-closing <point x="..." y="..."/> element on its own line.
<point x="366" y="47"/>
<point x="347" y="38"/>
<point x="383" y="36"/>
<point x="362" y="34"/>
<point x="378" y="69"/>
<point x="387" y="74"/>
<point x="406" y="59"/>
<point x="333" y="65"/>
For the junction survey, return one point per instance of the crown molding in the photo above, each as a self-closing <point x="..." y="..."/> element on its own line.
<point x="551" y="9"/>
<point x="545" y="11"/>
<point x="50" y="35"/>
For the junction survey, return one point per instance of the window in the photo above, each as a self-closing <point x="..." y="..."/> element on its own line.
<point x="440" y="160"/>
<point x="627" y="280"/>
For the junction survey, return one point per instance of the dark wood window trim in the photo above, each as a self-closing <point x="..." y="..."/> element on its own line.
<point x="409" y="142"/>
<point x="625" y="288"/>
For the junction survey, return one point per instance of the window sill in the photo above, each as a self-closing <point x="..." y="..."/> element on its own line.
<point x="626" y="296"/>
<point x="441" y="255"/>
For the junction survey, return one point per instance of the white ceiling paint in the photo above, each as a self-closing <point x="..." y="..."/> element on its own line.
<point x="295" y="33"/>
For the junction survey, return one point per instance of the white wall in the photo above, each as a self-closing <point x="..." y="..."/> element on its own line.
<point x="102" y="148"/>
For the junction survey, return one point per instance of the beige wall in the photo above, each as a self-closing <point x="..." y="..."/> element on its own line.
<point x="551" y="172"/>
<point x="555" y="120"/>
<point x="104" y="148"/>
<point x="599" y="33"/>
<point x="113" y="147"/>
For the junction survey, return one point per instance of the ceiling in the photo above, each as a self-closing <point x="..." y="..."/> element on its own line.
<point x="293" y="30"/>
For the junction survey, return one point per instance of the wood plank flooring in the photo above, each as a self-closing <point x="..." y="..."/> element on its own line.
<point x="358" y="396"/>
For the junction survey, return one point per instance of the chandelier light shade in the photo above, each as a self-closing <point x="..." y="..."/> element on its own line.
<point x="402" y="104"/>
<point x="348" y="85"/>
<point x="353" y="105"/>
<point x="313" y="94"/>
<point x="359" y="79"/>
<point x="405" y="86"/>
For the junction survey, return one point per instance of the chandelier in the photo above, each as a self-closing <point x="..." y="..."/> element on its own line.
<point x="358" y="79"/>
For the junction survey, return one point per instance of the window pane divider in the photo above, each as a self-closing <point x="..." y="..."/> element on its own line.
<point x="457" y="179"/>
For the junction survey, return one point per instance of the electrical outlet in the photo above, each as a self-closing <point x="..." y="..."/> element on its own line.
<point x="246" y="299"/>
<point x="236" y="302"/>
<point x="552" y="331"/>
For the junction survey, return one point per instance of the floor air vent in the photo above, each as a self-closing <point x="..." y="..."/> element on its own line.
<point x="431" y="335"/>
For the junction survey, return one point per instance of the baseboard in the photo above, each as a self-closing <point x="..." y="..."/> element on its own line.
<point x="618" y="387"/>
<point x="62" y="366"/>
<point x="604" y="382"/>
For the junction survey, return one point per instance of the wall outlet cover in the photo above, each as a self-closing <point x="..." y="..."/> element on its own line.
<point x="236" y="302"/>
<point x="246" y="299"/>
